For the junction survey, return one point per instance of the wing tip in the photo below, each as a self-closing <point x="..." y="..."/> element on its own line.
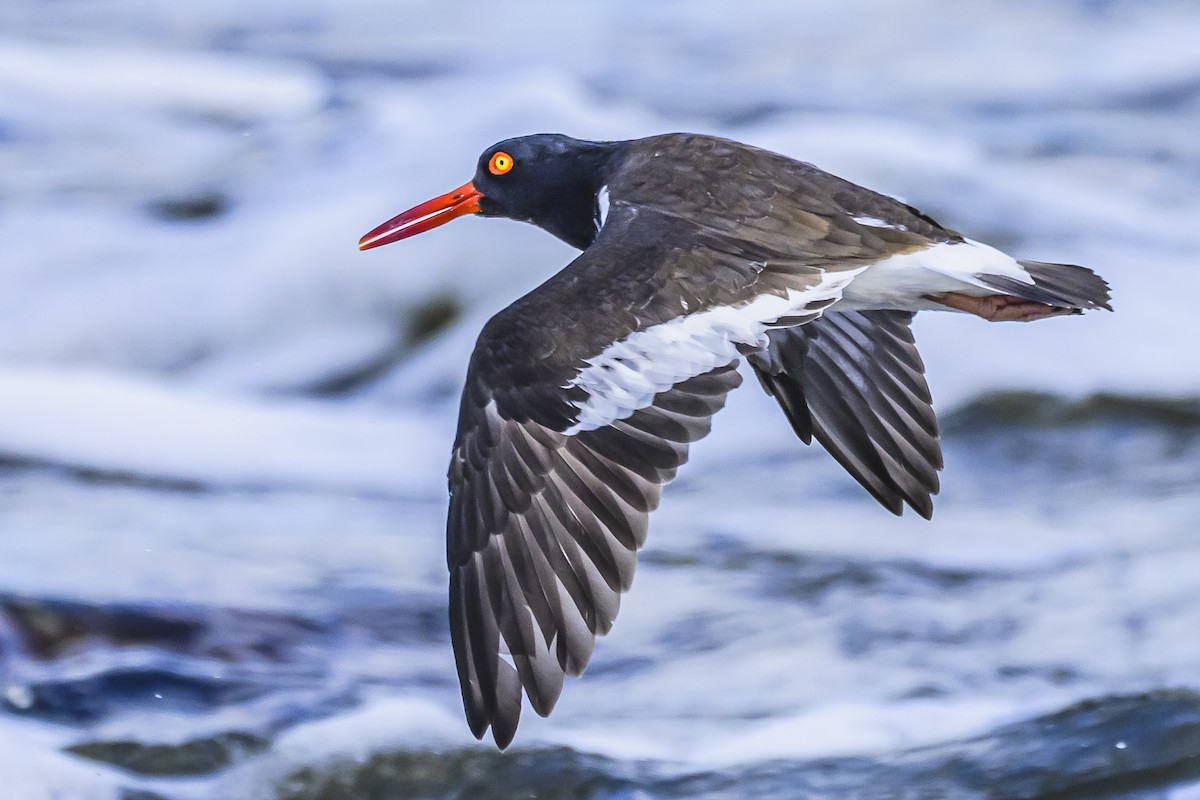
<point x="503" y="736"/>
<point x="514" y="561"/>
<point x="923" y="509"/>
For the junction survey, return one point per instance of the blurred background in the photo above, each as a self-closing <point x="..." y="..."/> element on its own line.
<point x="224" y="431"/>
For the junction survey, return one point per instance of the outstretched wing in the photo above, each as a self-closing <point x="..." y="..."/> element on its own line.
<point x="581" y="400"/>
<point x="855" y="381"/>
<point x="543" y="532"/>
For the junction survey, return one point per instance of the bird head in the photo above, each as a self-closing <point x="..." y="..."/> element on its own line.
<point x="547" y="179"/>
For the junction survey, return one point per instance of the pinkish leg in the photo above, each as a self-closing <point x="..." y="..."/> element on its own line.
<point x="999" y="307"/>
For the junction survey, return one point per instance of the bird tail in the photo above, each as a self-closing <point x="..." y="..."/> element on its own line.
<point x="1057" y="285"/>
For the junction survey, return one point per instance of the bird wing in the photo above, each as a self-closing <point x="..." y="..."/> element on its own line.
<point x="580" y="402"/>
<point x="542" y="537"/>
<point x="783" y="211"/>
<point x="855" y="381"/>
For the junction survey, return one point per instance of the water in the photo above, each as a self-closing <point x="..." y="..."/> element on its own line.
<point x="223" y="431"/>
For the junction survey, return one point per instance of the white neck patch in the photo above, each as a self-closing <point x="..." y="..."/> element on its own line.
<point x="602" y="204"/>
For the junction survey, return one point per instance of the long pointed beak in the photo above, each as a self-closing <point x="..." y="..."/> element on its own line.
<point x="430" y="214"/>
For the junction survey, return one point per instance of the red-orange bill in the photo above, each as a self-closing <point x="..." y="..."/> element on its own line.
<point x="430" y="214"/>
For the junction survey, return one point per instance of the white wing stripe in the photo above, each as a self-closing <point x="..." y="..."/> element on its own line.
<point x="627" y="375"/>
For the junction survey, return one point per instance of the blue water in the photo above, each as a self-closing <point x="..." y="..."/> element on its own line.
<point x="223" y="431"/>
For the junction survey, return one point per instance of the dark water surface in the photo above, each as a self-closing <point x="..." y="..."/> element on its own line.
<point x="198" y="697"/>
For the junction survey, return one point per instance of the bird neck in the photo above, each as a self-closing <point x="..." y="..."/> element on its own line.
<point x="577" y="214"/>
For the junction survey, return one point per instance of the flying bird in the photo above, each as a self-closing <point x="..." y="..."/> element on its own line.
<point x="582" y="397"/>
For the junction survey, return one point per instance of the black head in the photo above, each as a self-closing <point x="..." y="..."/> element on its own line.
<point x="548" y="179"/>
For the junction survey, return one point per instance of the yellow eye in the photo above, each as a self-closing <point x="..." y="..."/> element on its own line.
<point x="501" y="163"/>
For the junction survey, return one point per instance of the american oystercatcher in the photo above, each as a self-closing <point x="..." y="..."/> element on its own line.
<point x="582" y="397"/>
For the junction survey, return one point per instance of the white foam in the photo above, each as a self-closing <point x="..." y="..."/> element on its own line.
<point x="1188" y="792"/>
<point x="142" y="76"/>
<point x="381" y="725"/>
<point x="124" y="291"/>
<point x="129" y="425"/>
<point x="33" y="768"/>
